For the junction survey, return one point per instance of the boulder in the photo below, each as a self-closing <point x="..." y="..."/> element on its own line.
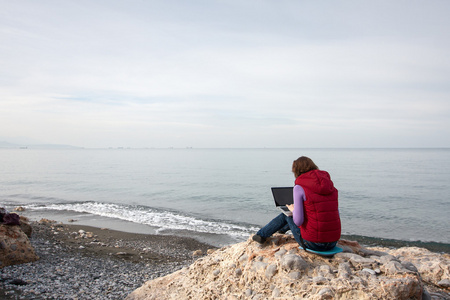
<point x="279" y="270"/>
<point x="433" y="267"/>
<point x="15" y="247"/>
<point x="25" y="226"/>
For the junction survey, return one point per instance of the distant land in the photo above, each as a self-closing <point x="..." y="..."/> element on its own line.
<point x="7" y="145"/>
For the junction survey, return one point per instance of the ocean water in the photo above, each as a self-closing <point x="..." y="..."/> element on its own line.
<point x="222" y="196"/>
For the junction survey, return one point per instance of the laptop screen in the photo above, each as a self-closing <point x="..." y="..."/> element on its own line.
<point x="283" y="195"/>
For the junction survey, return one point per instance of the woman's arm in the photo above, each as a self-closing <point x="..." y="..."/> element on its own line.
<point x="299" y="197"/>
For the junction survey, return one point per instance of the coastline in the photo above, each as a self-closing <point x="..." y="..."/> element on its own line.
<point x="392" y="243"/>
<point x="92" y="220"/>
<point x="85" y="262"/>
<point x="216" y="240"/>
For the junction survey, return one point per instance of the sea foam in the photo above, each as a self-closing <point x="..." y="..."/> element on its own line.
<point x="162" y="219"/>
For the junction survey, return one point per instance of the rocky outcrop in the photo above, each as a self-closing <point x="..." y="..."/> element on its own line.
<point x="15" y="247"/>
<point x="433" y="267"/>
<point x="279" y="270"/>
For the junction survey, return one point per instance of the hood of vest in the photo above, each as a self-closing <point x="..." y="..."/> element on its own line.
<point x="317" y="181"/>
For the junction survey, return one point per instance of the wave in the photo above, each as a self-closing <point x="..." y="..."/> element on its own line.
<point x="161" y="219"/>
<point x="169" y="220"/>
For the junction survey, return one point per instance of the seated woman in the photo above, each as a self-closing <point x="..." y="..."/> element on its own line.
<point x="315" y="222"/>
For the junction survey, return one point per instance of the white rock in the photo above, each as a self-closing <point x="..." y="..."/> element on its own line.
<point x="293" y="262"/>
<point x="271" y="270"/>
<point x="370" y="271"/>
<point x="266" y="273"/>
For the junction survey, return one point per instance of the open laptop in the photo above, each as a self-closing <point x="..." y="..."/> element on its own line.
<point x="283" y="196"/>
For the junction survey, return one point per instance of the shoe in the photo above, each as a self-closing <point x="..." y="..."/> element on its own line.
<point x="259" y="239"/>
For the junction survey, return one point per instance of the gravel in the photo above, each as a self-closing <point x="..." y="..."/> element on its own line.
<point x="105" y="266"/>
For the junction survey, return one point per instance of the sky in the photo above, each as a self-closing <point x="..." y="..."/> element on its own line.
<point x="229" y="73"/>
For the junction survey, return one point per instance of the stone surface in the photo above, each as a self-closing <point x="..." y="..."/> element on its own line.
<point x="15" y="247"/>
<point x="25" y="227"/>
<point x="433" y="267"/>
<point x="279" y="270"/>
<point x="444" y="283"/>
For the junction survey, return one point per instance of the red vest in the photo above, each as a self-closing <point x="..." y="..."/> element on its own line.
<point x="321" y="215"/>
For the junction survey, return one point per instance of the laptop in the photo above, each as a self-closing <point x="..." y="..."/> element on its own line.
<point x="283" y="196"/>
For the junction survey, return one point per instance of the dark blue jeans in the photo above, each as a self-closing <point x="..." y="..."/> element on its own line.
<point x="283" y="223"/>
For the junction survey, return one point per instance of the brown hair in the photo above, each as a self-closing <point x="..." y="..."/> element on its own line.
<point x="302" y="165"/>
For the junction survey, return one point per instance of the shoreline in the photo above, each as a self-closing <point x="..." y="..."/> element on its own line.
<point x="85" y="262"/>
<point x="82" y="219"/>
<point x="137" y="246"/>
<point x="87" y="219"/>
<point x="392" y="243"/>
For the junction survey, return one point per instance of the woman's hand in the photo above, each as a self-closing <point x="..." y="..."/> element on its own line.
<point x="290" y="207"/>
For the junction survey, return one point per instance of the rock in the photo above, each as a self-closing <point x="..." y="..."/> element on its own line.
<point x="271" y="270"/>
<point x="325" y="271"/>
<point x="279" y="270"/>
<point x="259" y="266"/>
<point x="295" y="275"/>
<point x="444" y="283"/>
<point x="319" y="280"/>
<point x="370" y="271"/>
<point x="15" y="247"/>
<point x="25" y="227"/>
<point x="19" y="208"/>
<point x="292" y="262"/>
<point x="248" y="292"/>
<point x="426" y="295"/>
<point x="46" y="221"/>
<point x="409" y="266"/>
<point x="7" y="218"/>
<point x="370" y="252"/>
<point x="344" y="270"/>
<point x="123" y="254"/>
<point x="197" y="253"/>
<point x="356" y="260"/>
<point x="18" y="282"/>
<point x="405" y="287"/>
<point x="325" y="293"/>
<point x="393" y="268"/>
<point x="386" y="258"/>
<point x="276" y="293"/>
<point x="349" y="246"/>
<point x="432" y="267"/>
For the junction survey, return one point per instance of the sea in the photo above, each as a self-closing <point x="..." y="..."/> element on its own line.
<point x="223" y="196"/>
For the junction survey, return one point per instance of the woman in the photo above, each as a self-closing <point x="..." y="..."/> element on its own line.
<point x="315" y="221"/>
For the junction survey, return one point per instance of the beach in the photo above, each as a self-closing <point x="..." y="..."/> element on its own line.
<point x="85" y="262"/>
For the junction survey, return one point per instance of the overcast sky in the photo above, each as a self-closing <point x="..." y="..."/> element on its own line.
<point x="231" y="73"/>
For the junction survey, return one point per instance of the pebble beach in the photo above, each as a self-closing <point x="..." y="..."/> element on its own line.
<point x="83" y="262"/>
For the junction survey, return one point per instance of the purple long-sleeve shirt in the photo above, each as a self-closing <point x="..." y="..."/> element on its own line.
<point x="299" y="197"/>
